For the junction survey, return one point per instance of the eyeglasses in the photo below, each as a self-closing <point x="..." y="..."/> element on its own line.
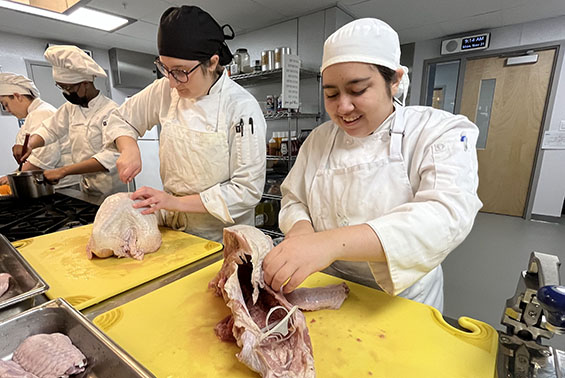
<point x="67" y="88"/>
<point x="179" y="75"/>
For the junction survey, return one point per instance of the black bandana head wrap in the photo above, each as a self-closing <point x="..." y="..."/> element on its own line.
<point x="190" y="33"/>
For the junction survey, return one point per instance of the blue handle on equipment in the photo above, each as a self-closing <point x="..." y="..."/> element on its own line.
<point x="552" y="300"/>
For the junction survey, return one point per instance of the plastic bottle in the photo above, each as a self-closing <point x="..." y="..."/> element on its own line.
<point x="294" y="145"/>
<point x="272" y="146"/>
<point x="260" y="216"/>
<point x="284" y="145"/>
<point x="278" y="138"/>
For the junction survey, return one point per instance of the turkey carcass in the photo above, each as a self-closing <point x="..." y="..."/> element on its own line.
<point x="121" y="230"/>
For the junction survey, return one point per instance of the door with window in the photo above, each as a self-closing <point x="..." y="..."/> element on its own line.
<point x="507" y="102"/>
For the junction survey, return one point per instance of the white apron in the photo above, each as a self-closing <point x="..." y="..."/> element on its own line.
<point x="193" y="162"/>
<point x="343" y="196"/>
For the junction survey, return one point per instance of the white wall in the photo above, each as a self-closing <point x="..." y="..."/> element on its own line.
<point x="14" y="51"/>
<point x="550" y="187"/>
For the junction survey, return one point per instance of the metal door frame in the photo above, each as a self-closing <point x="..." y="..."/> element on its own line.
<point x="559" y="46"/>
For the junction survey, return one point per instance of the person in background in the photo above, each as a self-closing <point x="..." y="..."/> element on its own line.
<point x="382" y="192"/>
<point x="20" y="97"/>
<point x="83" y="117"/>
<point x="212" y="141"/>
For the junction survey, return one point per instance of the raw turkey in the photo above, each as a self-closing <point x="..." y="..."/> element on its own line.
<point x="49" y="356"/>
<point x="10" y="369"/>
<point x="240" y="282"/>
<point x="121" y="230"/>
<point x="4" y="283"/>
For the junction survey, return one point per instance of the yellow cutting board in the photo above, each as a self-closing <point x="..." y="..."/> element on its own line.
<point x="60" y="259"/>
<point x="171" y="332"/>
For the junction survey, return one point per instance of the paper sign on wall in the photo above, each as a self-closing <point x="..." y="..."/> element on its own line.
<point x="553" y="140"/>
<point x="290" y="81"/>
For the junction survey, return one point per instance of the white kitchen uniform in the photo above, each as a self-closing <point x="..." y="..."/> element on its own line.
<point x="413" y="180"/>
<point x="85" y="129"/>
<point x="207" y="146"/>
<point x="54" y="155"/>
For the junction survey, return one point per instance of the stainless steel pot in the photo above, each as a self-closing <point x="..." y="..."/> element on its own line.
<point x="29" y="184"/>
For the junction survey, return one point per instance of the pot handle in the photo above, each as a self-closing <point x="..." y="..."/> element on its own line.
<point x="40" y="179"/>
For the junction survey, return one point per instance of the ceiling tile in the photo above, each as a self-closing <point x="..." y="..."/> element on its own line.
<point x="533" y="10"/>
<point x="140" y="30"/>
<point x="410" y="14"/>
<point x="467" y="24"/>
<point x="148" y="10"/>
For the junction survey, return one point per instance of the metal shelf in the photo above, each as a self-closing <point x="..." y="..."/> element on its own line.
<point x="277" y="158"/>
<point x="272" y="196"/>
<point x="253" y="78"/>
<point x="290" y="115"/>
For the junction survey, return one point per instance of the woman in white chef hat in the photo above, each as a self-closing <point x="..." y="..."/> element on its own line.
<point x="83" y="117"/>
<point x="20" y="97"/>
<point x="382" y="192"/>
<point x="212" y="140"/>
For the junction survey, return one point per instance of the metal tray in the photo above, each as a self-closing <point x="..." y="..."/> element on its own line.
<point x="25" y="284"/>
<point x="105" y="359"/>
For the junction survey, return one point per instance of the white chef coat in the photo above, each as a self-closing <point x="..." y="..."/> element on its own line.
<point x="418" y="193"/>
<point x="54" y="155"/>
<point x="85" y="128"/>
<point x="202" y="150"/>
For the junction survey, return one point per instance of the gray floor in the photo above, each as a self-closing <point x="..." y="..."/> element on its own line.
<point x="483" y="271"/>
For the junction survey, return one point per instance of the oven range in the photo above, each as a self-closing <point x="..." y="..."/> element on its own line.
<point x="21" y="219"/>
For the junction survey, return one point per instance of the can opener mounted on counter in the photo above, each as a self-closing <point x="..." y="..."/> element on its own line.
<point x="536" y="311"/>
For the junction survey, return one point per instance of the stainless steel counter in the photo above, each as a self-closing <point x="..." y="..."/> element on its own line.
<point x="95" y="200"/>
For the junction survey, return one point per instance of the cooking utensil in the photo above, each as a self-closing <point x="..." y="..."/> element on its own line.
<point x="30" y="184"/>
<point x="24" y="149"/>
<point x="105" y="358"/>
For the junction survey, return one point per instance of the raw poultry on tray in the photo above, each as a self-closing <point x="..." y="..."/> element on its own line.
<point x="268" y="326"/>
<point x="44" y="356"/>
<point x="123" y="231"/>
<point x="4" y="282"/>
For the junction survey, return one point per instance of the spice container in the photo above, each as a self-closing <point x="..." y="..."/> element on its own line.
<point x="257" y="67"/>
<point x="279" y="52"/>
<point x="267" y="60"/>
<point x="244" y="60"/>
<point x="271" y="104"/>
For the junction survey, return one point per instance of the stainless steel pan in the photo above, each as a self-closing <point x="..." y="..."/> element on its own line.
<point x="29" y="184"/>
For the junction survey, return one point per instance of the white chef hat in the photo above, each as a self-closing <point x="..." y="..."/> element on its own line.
<point x="11" y="83"/>
<point x="71" y="65"/>
<point x="366" y="40"/>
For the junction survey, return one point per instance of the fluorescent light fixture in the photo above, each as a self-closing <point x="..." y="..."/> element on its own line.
<point x="81" y="16"/>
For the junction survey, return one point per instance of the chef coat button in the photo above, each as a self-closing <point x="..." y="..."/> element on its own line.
<point x="348" y="141"/>
<point x="440" y="147"/>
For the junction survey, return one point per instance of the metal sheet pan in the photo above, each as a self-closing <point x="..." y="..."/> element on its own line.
<point x="105" y="359"/>
<point x="25" y="283"/>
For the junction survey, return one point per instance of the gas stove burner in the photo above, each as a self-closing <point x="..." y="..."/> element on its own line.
<point x="21" y="219"/>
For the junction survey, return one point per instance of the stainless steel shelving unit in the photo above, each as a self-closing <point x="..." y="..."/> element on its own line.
<point x="264" y="77"/>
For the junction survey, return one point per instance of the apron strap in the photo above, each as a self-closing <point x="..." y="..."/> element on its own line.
<point x="329" y="147"/>
<point x="396" y="133"/>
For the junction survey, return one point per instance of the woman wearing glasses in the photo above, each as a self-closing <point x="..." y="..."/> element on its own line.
<point x="212" y="141"/>
<point x="83" y="118"/>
